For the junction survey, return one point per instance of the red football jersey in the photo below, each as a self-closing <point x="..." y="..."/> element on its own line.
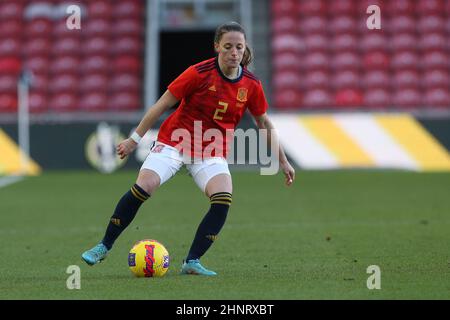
<point x="211" y="107"/>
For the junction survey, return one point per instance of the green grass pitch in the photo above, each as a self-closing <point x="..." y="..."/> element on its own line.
<point x="314" y="240"/>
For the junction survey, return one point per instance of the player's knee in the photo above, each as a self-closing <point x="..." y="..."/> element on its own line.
<point x="149" y="181"/>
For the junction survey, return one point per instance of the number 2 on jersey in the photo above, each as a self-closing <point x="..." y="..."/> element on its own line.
<point x="222" y="110"/>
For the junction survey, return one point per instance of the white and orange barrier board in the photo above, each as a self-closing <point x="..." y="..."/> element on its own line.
<point x="329" y="141"/>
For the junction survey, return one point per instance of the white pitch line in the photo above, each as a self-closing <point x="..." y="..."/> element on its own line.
<point x="6" y="181"/>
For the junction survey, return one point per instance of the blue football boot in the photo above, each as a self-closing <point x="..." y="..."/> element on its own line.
<point x="95" y="255"/>
<point x="194" y="267"/>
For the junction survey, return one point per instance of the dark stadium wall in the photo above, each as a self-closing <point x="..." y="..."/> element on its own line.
<point x="181" y="49"/>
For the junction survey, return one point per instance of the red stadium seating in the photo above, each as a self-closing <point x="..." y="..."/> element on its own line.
<point x="377" y="98"/>
<point x="94" y="101"/>
<point x="406" y="79"/>
<point x="346" y="79"/>
<point x="123" y="101"/>
<point x="376" y="79"/>
<point x="317" y="98"/>
<point x="73" y="70"/>
<point x="8" y="102"/>
<point x="100" y="9"/>
<point x="317" y="80"/>
<point x="95" y="64"/>
<point x="94" y="83"/>
<point x="38" y="102"/>
<point x="348" y="98"/>
<point x="437" y="97"/>
<point x="406" y="64"/>
<point x="63" y="102"/>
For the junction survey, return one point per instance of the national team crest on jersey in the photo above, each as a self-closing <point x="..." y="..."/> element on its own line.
<point x="242" y="94"/>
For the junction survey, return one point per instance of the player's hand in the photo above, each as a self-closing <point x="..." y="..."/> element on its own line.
<point x="289" y="172"/>
<point x="126" y="147"/>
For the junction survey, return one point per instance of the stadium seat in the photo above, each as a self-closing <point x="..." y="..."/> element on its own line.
<point x="98" y="82"/>
<point x="316" y="42"/>
<point x="436" y="79"/>
<point x="8" y="102"/>
<point x="374" y="41"/>
<point x="94" y="101"/>
<point x="313" y="24"/>
<point x="65" y="64"/>
<point x="376" y="79"/>
<point x="95" y="64"/>
<point x="287" y="80"/>
<point x="435" y="60"/>
<point x="285" y="24"/>
<point x="317" y="80"/>
<point x="99" y="9"/>
<point x="317" y="98"/>
<point x="96" y="46"/>
<point x="40" y="83"/>
<point x="430" y="24"/>
<point x="344" y="42"/>
<point x="10" y="10"/>
<point x="128" y="27"/>
<point x="377" y="60"/>
<point x="97" y="28"/>
<point x="8" y="83"/>
<point x="132" y="9"/>
<point x="404" y="60"/>
<point x="403" y="42"/>
<point x="345" y="61"/>
<point x="284" y="7"/>
<point x="130" y="64"/>
<point x="287" y="43"/>
<point x="66" y="46"/>
<point x="124" y="101"/>
<point x="310" y="8"/>
<point x="346" y="98"/>
<point x="10" y="28"/>
<point x="127" y="45"/>
<point x="38" y="102"/>
<point x="343" y="25"/>
<point x="407" y="98"/>
<point x="125" y="83"/>
<point x="37" y="64"/>
<point x="10" y="66"/>
<point x="426" y="7"/>
<point x="433" y="41"/>
<point x="402" y="24"/>
<point x="399" y="7"/>
<point x="288" y="99"/>
<point x="377" y="98"/>
<point x="406" y="79"/>
<point x="63" y="102"/>
<point x="64" y="83"/>
<point x="315" y="61"/>
<point x="346" y="79"/>
<point x="10" y="47"/>
<point x="38" y="28"/>
<point x="286" y="61"/>
<point x="342" y="8"/>
<point x="437" y="97"/>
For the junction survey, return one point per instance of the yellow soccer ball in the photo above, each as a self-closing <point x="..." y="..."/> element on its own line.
<point x="148" y="258"/>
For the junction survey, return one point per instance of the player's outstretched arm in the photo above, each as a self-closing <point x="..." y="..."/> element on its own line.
<point x="166" y="101"/>
<point x="263" y="122"/>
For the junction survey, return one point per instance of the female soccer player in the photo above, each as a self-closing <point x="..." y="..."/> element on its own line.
<point x="214" y="95"/>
